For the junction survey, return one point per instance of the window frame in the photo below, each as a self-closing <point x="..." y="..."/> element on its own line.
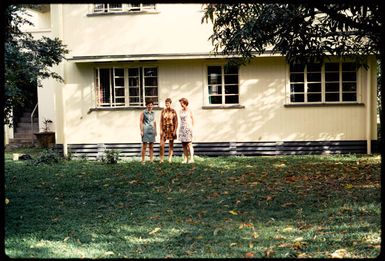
<point x="126" y="8"/>
<point x="324" y="92"/>
<point x="113" y="88"/>
<point x="222" y="84"/>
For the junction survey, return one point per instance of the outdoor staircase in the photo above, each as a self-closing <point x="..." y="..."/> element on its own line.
<point x="22" y="131"/>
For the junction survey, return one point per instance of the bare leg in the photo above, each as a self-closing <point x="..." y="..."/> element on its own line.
<point x="161" y="156"/>
<point x="144" y="146"/>
<point x="151" y="149"/>
<point x="170" y="150"/>
<point x="185" y="152"/>
<point x="191" y="152"/>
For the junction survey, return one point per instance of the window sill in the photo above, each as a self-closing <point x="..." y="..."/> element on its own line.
<point x="324" y="104"/>
<point x="132" y="108"/>
<point x="213" y="107"/>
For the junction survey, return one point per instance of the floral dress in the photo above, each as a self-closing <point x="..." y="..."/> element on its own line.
<point x="148" y="127"/>
<point x="185" y="130"/>
<point x="169" y="121"/>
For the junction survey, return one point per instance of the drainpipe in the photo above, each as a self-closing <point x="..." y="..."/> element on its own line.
<point x="368" y="109"/>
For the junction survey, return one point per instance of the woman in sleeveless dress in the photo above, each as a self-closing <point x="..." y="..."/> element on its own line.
<point x="168" y="127"/>
<point x="186" y="131"/>
<point x="148" y="130"/>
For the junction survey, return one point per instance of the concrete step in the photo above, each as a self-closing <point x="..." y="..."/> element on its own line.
<point x="28" y="120"/>
<point x="20" y="141"/>
<point x="25" y="135"/>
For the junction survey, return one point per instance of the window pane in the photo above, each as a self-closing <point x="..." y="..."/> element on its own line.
<point x="231" y="79"/>
<point x="120" y="100"/>
<point x="349" y="97"/>
<point x="151" y="91"/>
<point x="104" y="85"/>
<point x="150" y="72"/>
<point x="134" y="91"/>
<point x="297" y="67"/>
<point x="332" y="97"/>
<point x="215" y="99"/>
<point x="133" y="72"/>
<point x="314" y="77"/>
<point x="231" y="89"/>
<point x="297" y="77"/>
<point x="348" y="67"/>
<point x="119" y="81"/>
<point x="214" y="74"/>
<point x="348" y="87"/>
<point x="297" y="87"/>
<point x="215" y="89"/>
<point x="133" y="81"/>
<point x="314" y="67"/>
<point x="314" y="87"/>
<point x="316" y="97"/>
<point x="332" y="87"/>
<point x="152" y="81"/>
<point x="232" y="99"/>
<point x="229" y="69"/>
<point x="119" y="72"/>
<point x="119" y="91"/>
<point x="332" y="77"/>
<point x="134" y="100"/>
<point x="297" y="98"/>
<point x="349" y="76"/>
<point x="115" y="6"/>
<point x="332" y="67"/>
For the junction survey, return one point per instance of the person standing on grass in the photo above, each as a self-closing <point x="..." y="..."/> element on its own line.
<point x="186" y="131"/>
<point x="148" y="130"/>
<point x="168" y="127"/>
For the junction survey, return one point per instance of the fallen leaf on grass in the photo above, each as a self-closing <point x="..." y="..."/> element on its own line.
<point x="246" y="225"/>
<point x="233" y="212"/>
<point x="6" y="201"/>
<point x="288" y="204"/>
<point x="348" y="186"/>
<point x="302" y="255"/>
<point x="154" y="231"/>
<point x="216" y="231"/>
<point x="299" y="245"/>
<point x="340" y="253"/>
<point x="233" y="244"/>
<point x="288" y="229"/>
<point x="255" y="235"/>
<point x="269" y="252"/>
<point x="249" y="255"/>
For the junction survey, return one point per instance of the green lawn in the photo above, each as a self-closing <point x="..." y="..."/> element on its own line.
<point x="287" y="206"/>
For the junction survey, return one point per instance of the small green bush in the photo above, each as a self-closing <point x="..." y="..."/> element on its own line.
<point x="48" y="156"/>
<point x="111" y="156"/>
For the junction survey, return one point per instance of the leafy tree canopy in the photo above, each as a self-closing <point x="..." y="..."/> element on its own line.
<point x="27" y="60"/>
<point x="301" y="32"/>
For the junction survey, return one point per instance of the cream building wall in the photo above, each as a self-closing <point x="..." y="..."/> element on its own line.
<point x="264" y="117"/>
<point x="177" y="29"/>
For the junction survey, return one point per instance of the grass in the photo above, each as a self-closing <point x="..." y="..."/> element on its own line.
<point x="279" y="207"/>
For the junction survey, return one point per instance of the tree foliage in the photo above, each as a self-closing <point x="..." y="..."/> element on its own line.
<point x="27" y="60"/>
<point x="301" y="32"/>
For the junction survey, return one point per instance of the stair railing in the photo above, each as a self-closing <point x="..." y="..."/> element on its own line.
<point x="33" y="112"/>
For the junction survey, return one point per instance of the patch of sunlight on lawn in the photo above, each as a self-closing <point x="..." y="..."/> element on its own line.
<point x="58" y="249"/>
<point x="143" y="235"/>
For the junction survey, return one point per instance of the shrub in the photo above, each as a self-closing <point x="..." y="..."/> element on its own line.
<point x="48" y="156"/>
<point x="110" y="156"/>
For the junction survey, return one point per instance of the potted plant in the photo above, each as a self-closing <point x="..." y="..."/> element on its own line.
<point x="46" y="138"/>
